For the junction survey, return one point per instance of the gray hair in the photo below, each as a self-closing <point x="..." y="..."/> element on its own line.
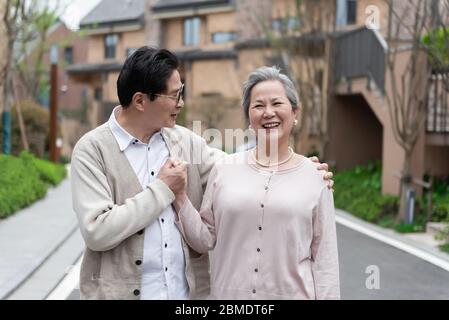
<point x="267" y="74"/>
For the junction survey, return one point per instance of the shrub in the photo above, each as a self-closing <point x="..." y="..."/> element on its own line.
<point x="23" y="180"/>
<point x="359" y="192"/>
<point x="445" y="247"/>
<point x="49" y="172"/>
<point x="440" y="200"/>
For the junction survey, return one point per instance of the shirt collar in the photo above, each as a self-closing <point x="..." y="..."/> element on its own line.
<point x="123" y="137"/>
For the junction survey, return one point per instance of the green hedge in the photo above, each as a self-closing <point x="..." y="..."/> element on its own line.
<point x="440" y="199"/>
<point x="25" y="179"/>
<point x="49" y="172"/>
<point x="358" y="191"/>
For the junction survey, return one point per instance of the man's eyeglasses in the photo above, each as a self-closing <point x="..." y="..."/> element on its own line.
<point x="177" y="98"/>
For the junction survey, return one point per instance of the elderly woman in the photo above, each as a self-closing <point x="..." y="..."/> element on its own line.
<point x="267" y="213"/>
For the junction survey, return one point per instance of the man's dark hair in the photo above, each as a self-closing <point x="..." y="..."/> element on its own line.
<point x="147" y="70"/>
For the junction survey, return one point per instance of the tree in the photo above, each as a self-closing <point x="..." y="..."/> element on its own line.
<point x="32" y="45"/>
<point x="299" y="44"/>
<point x="407" y="102"/>
<point x="26" y="25"/>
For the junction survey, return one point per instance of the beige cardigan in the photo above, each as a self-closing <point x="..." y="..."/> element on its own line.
<point x="113" y="211"/>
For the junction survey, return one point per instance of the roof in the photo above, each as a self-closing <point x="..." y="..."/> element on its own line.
<point x="166" y="5"/>
<point x="308" y="38"/>
<point x="205" y="54"/>
<point x="112" y="11"/>
<point x="91" y="68"/>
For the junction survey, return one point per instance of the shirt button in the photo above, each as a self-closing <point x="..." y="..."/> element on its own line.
<point x="261" y="205"/>
<point x="136" y="292"/>
<point x="138" y="262"/>
<point x="260" y="228"/>
<point x="140" y="232"/>
<point x="256" y="270"/>
<point x="254" y="290"/>
<point x="266" y="188"/>
<point x="166" y="245"/>
<point x="166" y="268"/>
<point x="162" y="220"/>
<point x="152" y="173"/>
<point x="258" y="249"/>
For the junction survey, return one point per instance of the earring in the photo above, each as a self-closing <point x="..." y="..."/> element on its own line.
<point x="249" y="127"/>
<point x="295" y="122"/>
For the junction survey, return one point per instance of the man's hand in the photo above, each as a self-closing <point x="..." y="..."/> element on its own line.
<point x="174" y="175"/>
<point x="327" y="175"/>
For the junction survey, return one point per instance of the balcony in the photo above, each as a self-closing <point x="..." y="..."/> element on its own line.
<point x="437" y="124"/>
<point x="359" y="68"/>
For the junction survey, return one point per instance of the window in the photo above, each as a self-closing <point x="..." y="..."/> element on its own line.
<point x="130" y="51"/>
<point x="285" y="24"/>
<point x="192" y="32"/>
<point x="68" y="55"/>
<point x="352" y="11"/>
<point x="110" y="46"/>
<point x="220" y="37"/>
<point x="98" y="94"/>
<point x="346" y="12"/>
<point x="54" y="53"/>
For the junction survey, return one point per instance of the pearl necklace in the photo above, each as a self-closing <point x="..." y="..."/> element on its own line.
<point x="272" y="164"/>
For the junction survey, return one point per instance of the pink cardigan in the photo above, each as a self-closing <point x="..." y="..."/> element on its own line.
<point x="273" y="235"/>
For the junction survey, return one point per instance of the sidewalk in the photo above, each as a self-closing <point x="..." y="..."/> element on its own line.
<point x="29" y="237"/>
<point x="421" y="245"/>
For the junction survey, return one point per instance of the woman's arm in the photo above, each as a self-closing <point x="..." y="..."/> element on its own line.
<point x="324" y="249"/>
<point x="197" y="228"/>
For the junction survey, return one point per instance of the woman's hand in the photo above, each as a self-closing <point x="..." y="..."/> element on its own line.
<point x="328" y="175"/>
<point x="181" y="195"/>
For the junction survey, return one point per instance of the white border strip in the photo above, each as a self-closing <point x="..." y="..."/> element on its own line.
<point x="68" y="283"/>
<point x="393" y="242"/>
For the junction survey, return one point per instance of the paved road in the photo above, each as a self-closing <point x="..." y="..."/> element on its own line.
<point x="401" y="275"/>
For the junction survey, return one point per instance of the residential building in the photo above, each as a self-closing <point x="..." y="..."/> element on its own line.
<point x="219" y="42"/>
<point x="72" y="95"/>
<point x="114" y="29"/>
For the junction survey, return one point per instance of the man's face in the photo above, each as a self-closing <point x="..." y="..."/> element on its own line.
<point x="164" y="109"/>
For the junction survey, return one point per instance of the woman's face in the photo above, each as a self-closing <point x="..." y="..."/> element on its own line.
<point x="270" y="111"/>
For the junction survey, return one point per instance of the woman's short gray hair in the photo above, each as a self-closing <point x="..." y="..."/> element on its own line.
<point x="267" y="74"/>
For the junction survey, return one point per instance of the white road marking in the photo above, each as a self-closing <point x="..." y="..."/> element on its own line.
<point x="393" y="242"/>
<point x="68" y="284"/>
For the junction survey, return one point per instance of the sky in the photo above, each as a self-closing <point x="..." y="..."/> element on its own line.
<point x="75" y="10"/>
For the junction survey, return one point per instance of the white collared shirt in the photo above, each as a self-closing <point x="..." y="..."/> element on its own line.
<point x="163" y="274"/>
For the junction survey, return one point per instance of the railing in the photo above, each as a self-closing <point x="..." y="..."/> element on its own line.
<point x="360" y="52"/>
<point x="438" y="103"/>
